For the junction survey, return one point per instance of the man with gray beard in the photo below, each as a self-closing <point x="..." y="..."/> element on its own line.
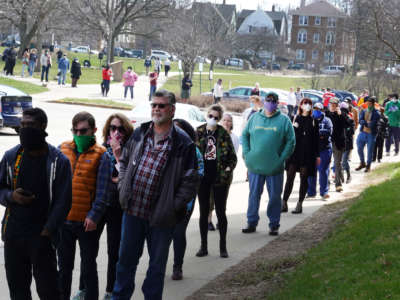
<point x="157" y="178"/>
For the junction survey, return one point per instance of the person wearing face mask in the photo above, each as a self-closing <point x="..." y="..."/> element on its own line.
<point x="305" y="157"/>
<point x="338" y="139"/>
<point x="392" y="111"/>
<point x="325" y="154"/>
<point x="35" y="188"/>
<point x="368" y="129"/>
<point x="220" y="160"/>
<point x="91" y="177"/>
<point x="349" y="134"/>
<point x="45" y="62"/>
<point x="130" y="78"/>
<point x="267" y="142"/>
<point x="382" y="134"/>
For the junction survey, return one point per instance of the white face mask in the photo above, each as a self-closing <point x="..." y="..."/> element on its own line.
<point x="306" y="107"/>
<point x="211" y="122"/>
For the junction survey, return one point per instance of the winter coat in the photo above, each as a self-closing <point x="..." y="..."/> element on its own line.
<point x="76" y="70"/>
<point x="338" y="135"/>
<point x="383" y="127"/>
<point x="130" y="78"/>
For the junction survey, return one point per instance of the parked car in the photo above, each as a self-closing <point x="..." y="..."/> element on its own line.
<point x="235" y="62"/>
<point x="333" y="70"/>
<point x="83" y="49"/>
<point x="9" y="43"/>
<point x="344" y="94"/>
<point x="314" y="95"/>
<point x="142" y="113"/>
<point x="162" y="55"/>
<point x="137" y="53"/>
<point x="12" y="103"/>
<point x="244" y="92"/>
<point x="298" y="66"/>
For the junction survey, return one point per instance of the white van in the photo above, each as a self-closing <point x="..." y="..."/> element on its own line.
<point x="162" y="55"/>
<point x="333" y="70"/>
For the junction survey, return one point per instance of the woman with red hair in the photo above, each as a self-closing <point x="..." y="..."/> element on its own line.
<point x="305" y="156"/>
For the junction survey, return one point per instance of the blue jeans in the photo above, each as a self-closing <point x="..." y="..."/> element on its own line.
<point x="153" y="89"/>
<point x="274" y="187"/>
<point x="135" y="231"/>
<point x="31" y="67"/>
<point x="45" y="72"/>
<point x="345" y="160"/>
<point x="130" y="88"/>
<point x="323" y="171"/>
<point x="61" y="78"/>
<point x="369" y="140"/>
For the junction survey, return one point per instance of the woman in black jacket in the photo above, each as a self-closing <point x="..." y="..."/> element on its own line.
<point x="349" y="130"/>
<point x="383" y="133"/>
<point x="305" y="156"/>
<point x="75" y="72"/>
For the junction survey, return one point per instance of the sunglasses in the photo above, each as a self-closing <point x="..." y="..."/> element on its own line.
<point x="213" y="117"/>
<point x="82" y="131"/>
<point x="270" y="100"/>
<point x="121" y="129"/>
<point x="159" y="105"/>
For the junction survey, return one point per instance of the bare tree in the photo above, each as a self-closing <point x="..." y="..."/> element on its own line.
<point x="116" y="17"/>
<point x="28" y="16"/>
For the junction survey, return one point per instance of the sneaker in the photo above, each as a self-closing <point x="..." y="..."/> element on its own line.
<point x="361" y="166"/>
<point x="80" y="295"/>
<point x="367" y="169"/>
<point x="177" y="275"/>
<point x="211" y="226"/>
<point x="274" y="231"/>
<point x="325" y="197"/>
<point x="339" y="189"/>
<point x="107" y="296"/>
<point x="249" y="229"/>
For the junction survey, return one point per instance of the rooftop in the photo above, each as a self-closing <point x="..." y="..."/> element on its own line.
<point x="319" y="8"/>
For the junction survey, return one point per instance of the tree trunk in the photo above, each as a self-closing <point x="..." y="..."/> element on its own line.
<point x="39" y="50"/>
<point x="213" y="59"/>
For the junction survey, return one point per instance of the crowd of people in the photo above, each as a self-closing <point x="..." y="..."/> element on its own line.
<point x="142" y="184"/>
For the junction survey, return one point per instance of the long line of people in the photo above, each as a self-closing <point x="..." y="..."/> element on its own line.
<point x="141" y="184"/>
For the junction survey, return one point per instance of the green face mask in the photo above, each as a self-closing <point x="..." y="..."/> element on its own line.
<point x="83" y="142"/>
<point x="370" y="108"/>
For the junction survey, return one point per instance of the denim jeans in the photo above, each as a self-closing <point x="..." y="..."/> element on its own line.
<point x="369" y="140"/>
<point x="23" y="69"/>
<point x="394" y="137"/>
<point x="45" y="72"/>
<point x="130" y="88"/>
<point x="63" y="75"/>
<point x="323" y="172"/>
<point x="31" y="67"/>
<point x="274" y="186"/>
<point x="345" y="160"/>
<point x="153" y="89"/>
<point x="337" y="161"/>
<point x="89" y="248"/>
<point x="135" y="231"/>
<point x="26" y="256"/>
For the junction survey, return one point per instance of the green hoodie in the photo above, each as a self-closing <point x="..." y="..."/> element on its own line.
<point x="267" y="142"/>
<point x="392" y="111"/>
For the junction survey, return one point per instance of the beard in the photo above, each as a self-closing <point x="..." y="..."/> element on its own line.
<point x="159" y="118"/>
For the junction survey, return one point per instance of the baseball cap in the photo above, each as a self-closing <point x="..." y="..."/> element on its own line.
<point x="334" y="100"/>
<point x="370" y="99"/>
<point x="273" y="95"/>
<point x="319" y="105"/>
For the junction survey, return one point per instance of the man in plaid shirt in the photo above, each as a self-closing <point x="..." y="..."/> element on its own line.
<point x="158" y="177"/>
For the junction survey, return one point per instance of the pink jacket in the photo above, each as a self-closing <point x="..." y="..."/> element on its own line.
<point x="130" y="78"/>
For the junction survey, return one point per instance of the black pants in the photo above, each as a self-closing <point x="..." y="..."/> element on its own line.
<point x="31" y="255"/>
<point x="290" y="176"/>
<point x="179" y="240"/>
<point x="378" y="149"/>
<point x="105" y="87"/>
<point x="220" y="197"/>
<point x="113" y="220"/>
<point x="45" y="72"/>
<point x="166" y="69"/>
<point x="10" y="64"/>
<point x="74" y="81"/>
<point x="89" y="248"/>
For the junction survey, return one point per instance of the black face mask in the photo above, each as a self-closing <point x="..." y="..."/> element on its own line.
<point x="32" y="138"/>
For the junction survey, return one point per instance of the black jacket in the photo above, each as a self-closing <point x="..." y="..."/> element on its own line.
<point x="339" y="124"/>
<point x="179" y="180"/>
<point x="349" y="131"/>
<point x="76" y="70"/>
<point x="383" y="127"/>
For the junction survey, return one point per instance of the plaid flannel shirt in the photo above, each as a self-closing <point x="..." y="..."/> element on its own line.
<point x="148" y="174"/>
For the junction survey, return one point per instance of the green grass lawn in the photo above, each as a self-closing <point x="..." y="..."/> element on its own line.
<point x="361" y="260"/>
<point x="96" y="102"/>
<point x="231" y="81"/>
<point x="25" y="87"/>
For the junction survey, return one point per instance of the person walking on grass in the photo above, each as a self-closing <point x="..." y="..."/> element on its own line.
<point x="305" y="157"/>
<point x="130" y="78"/>
<point x="91" y="175"/>
<point x="167" y="67"/>
<point x="11" y="59"/>
<point x="153" y="83"/>
<point x="107" y="74"/>
<point x="45" y="62"/>
<point x="186" y="86"/>
<point x="158" y="177"/>
<point x="35" y="188"/>
<point x="268" y="140"/>
<point x="63" y="67"/>
<point x="220" y="160"/>
<point x="218" y="91"/>
<point x="25" y="61"/>
<point x="369" y="118"/>
<point x="179" y="235"/>
<point x="32" y="61"/>
<point x="325" y="153"/>
<point x="75" y="72"/>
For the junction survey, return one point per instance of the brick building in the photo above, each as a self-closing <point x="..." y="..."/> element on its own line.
<point x="318" y="35"/>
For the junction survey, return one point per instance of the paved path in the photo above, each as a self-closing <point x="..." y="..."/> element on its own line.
<point x="197" y="271"/>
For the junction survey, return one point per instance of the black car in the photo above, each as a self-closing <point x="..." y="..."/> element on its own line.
<point x="298" y="66"/>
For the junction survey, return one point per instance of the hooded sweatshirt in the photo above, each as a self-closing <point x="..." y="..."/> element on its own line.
<point x="267" y="143"/>
<point x="392" y="111"/>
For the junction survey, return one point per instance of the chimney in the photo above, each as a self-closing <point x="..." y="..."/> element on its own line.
<point x="273" y="7"/>
<point x="303" y="3"/>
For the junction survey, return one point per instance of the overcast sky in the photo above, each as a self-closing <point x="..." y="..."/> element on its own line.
<point x="265" y="4"/>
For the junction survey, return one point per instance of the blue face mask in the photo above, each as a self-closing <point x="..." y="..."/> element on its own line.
<point x="251" y="104"/>
<point x="317" y="114"/>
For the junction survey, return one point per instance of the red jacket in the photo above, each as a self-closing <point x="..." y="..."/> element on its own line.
<point x="107" y="74"/>
<point x="326" y="97"/>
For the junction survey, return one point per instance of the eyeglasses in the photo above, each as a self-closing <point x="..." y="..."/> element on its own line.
<point x="159" y="105"/>
<point x="82" y="131"/>
<point x="119" y="128"/>
<point x="213" y="117"/>
<point x="270" y="100"/>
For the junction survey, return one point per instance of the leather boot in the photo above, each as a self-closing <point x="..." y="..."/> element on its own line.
<point x="222" y="249"/>
<point x="367" y="169"/>
<point x="361" y="166"/>
<point x="284" y="206"/>
<point x="348" y="179"/>
<point x="202" y="251"/>
<point x="298" y="209"/>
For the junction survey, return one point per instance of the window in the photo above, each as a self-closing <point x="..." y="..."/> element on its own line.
<point x="329" y="57"/>
<point x="331" y="22"/>
<point x="315" y="54"/>
<point x="300" y="54"/>
<point x="317" y="21"/>
<point x="302" y="36"/>
<point x="303" y="20"/>
<point x="330" y="38"/>
<point x="316" y="38"/>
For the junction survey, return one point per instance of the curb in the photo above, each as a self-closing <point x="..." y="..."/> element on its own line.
<point x="87" y="104"/>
